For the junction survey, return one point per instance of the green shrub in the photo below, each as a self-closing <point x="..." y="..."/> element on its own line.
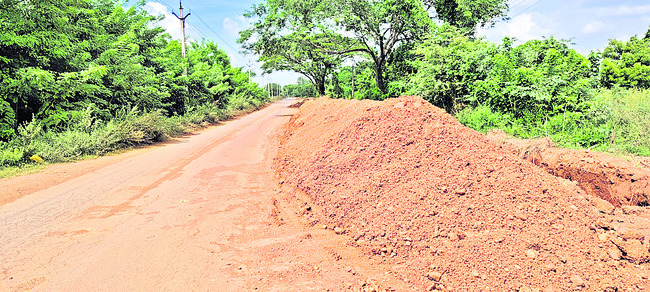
<point x="130" y="127"/>
<point x="483" y="119"/>
<point x="10" y="156"/>
<point x="631" y="119"/>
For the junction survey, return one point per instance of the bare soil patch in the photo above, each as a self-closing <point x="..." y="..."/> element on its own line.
<point x="613" y="179"/>
<point x="450" y="209"/>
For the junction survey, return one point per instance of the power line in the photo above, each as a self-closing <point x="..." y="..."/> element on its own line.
<point x="196" y="29"/>
<point x="519" y="13"/>
<point x="531" y="6"/>
<point x="517" y="3"/>
<point x="214" y="32"/>
<point x="222" y="39"/>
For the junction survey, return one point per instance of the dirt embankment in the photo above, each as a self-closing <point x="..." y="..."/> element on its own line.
<point x="448" y="208"/>
<point x="610" y="178"/>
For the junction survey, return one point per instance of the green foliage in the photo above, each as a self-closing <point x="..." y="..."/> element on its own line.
<point x="483" y="119"/>
<point x="7" y="120"/>
<point x="541" y="88"/>
<point x="302" y="88"/>
<point x="130" y="127"/>
<point x="540" y="75"/>
<point x="467" y="14"/>
<point x="356" y="82"/>
<point x="85" y="77"/>
<point x="312" y="37"/>
<point x="630" y="112"/>
<point x="450" y="67"/>
<point x="627" y="64"/>
<point x="615" y="120"/>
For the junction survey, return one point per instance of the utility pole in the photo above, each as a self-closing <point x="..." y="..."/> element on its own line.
<point x="354" y="73"/>
<point x="249" y="64"/>
<point x="182" y="19"/>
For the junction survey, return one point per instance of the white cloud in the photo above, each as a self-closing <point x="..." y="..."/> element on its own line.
<point x="231" y="26"/>
<point x="593" y="27"/>
<point x="523" y="27"/>
<point x="170" y="23"/>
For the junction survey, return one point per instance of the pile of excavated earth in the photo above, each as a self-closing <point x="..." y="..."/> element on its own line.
<point x="453" y="210"/>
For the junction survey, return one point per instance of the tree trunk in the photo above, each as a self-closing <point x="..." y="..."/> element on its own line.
<point x="320" y="86"/>
<point x="318" y="82"/>
<point x="379" y="77"/>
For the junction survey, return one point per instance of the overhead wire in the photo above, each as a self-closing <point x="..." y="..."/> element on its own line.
<point x="197" y="30"/>
<point x="525" y="9"/>
<point x="517" y="3"/>
<point x="519" y="13"/>
<point x="212" y="30"/>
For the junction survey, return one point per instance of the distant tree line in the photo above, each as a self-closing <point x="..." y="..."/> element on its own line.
<point x="379" y="49"/>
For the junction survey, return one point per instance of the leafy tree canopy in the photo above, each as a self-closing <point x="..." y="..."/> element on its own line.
<point x="627" y="64"/>
<point x="59" y="58"/>
<point x="289" y="34"/>
<point x="468" y="14"/>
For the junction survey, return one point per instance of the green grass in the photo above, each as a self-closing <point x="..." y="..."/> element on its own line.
<point x="615" y="121"/>
<point x="89" y="138"/>
<point x="12" y="171"/>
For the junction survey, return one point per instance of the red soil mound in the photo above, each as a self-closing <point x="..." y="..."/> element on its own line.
<point x="612" y="179"/>
<point x="450" y="209"/>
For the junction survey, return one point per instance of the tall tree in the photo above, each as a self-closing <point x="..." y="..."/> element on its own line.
<point x="338" y="28"/>
<point x="377" y="28"/>
<point x="627" y="64"/>
<point x="468" y="14"/>
<point x="293" y="52"/>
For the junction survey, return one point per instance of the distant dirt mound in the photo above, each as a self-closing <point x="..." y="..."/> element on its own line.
<point x="448" y="208"/>
<point x="298" y="103"/>
<point x="612" y="179"/>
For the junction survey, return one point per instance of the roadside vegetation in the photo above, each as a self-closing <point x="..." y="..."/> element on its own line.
<point x="87" y="77"/>
<point x="381" y="49"/>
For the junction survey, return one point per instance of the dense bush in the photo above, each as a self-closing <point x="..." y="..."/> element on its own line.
<point x="86" y="77"/>
<point x="95" y="137"/>
<point x="541" y="88"/>
<point x="613" y="120"/>
<point x="303" y="88"/>
<point x="627" y="64"/>
<point x="538" y="76"/>
<point x="56" y="57"/>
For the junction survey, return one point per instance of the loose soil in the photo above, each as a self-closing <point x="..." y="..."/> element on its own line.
<point x="393" y="195"/>
<point x="613" y="179"/>
<point x="449" y="209"/>
<point x="203" y="213"/>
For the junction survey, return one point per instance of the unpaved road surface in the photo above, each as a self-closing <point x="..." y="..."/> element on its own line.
<point x="200" y="213"/>
<point x="330" y="195"/>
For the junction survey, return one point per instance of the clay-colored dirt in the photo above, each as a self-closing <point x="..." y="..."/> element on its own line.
<point x="203" y="213"/>
<point x="452" y="210"/>
<point x="360" y="195"/>
<point x="613" y="179"/>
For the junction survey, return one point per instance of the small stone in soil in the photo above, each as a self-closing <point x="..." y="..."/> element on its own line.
<point x="434" y="276"/>
<point x="603" y="237"/>
<point x="531" y="253"/>
<point x="575" y="279"/>
<point x="614" y="253"/>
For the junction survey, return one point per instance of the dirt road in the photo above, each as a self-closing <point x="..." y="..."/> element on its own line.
<point x="200" y="213"/>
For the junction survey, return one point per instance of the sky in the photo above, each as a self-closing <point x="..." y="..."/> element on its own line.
<point x="589" y="24"/>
